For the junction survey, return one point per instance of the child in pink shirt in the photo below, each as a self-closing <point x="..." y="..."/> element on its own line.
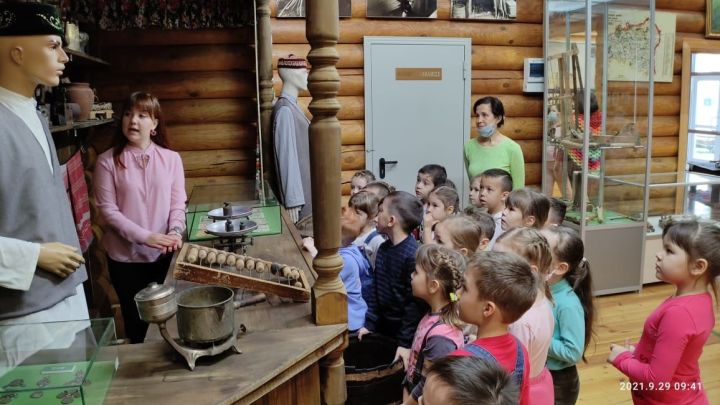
<point x="535" y="327"/>
<point x="663" y="368"/>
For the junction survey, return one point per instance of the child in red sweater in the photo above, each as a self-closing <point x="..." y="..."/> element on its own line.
<point x="663" y="367"/>
<point x="497" y="289"/>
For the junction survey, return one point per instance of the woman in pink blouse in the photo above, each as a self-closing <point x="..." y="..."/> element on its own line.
<point x="140" y="192"/>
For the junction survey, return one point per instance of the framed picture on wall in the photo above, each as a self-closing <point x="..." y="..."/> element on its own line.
<point x="296" y="8"/>
<point x="503" y="10"/>
<point x="402" y="8"/>
<point x="712" y="19"/>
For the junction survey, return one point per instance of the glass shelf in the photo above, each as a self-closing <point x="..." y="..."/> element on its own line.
<point x="48" y="362"/>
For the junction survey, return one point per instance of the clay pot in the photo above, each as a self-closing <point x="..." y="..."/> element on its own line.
<point x="82" y="94"/>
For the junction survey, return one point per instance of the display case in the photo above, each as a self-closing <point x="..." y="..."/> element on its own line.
<point x="258" y="197"/>
<point x="599" y="73"/>
<point x="57" y="362"/>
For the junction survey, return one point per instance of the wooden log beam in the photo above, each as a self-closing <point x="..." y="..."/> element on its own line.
<point x="690" y="21"/>
<point x="231" y="135"/>
<point x="484" y="57"/>
<point x="685" y="5"/>
<point x="161" y="37"/>
<point x="191" y="182"/>
<point x="179" y="85"/>
<point x="225" y="162"/>
<point x="218" y="110"/>
<point x="352" y="31"/>
<point x="623" y="105"/>
<point x="661" y="89"/>
<point x="188" y="58"/>
<point x="353" y="132"/>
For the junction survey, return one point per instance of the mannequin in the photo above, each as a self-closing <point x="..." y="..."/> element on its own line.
<point x="290" y="139"/>
<point x="41" y="273"/>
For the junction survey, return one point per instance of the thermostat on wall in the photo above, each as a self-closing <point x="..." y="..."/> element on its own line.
<point x="534" y="78"/>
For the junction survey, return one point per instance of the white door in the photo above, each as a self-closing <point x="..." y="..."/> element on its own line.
<point x="417" y="95"/>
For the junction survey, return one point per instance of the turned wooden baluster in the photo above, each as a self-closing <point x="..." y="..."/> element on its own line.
<point x="329" y="299"/>
<point x="265" y="75"/>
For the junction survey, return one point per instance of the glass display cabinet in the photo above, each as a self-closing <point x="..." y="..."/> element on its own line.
<point x="599" y="73"/>
<point x="57" y="362"/>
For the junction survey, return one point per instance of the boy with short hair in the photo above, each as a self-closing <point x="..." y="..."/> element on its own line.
<point x="393" y="311"/>
<point x="497" y="289"/>
<point x="495" y="185"/>
<point x="429" y="177"/>
<point x="380" y="188"/>
<point x="455" y="380"/>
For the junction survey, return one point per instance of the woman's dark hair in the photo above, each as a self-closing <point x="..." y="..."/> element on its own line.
<point x="496" y="107"/>
<point x="474" y="380"/>
<point x="700" y="240"/>
<point x="594" y="107"/>
<point x="571" y="250"/>
<point x="144" y="102"/>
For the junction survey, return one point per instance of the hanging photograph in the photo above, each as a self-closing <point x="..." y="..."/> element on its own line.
<point x="484" y="9"/>
<point x="402" y="8"/>
<point x="296" y="8"/>
<point x="712" y="19"/>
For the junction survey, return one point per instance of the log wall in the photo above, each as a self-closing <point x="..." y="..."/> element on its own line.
<point x="498" y="53"/>
<point x="206" y="84"/>
<point x="207" y="87"/>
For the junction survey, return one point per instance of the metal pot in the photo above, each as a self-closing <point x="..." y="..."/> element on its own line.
<point x="156" y="303"/>
<point x="206" y="314"/>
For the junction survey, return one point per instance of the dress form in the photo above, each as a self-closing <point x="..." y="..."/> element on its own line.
<point x="291" y="144"/>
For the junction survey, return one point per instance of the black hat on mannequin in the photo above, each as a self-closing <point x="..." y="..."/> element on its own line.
<point x="25" y="19"/>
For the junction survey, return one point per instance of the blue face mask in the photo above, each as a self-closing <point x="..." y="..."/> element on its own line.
<point x="486" y="131"/>
<point x="552" y="117"/>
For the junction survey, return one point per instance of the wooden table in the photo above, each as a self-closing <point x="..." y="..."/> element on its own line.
<point x="276" y="367"/>
<point x="281" y="350"/>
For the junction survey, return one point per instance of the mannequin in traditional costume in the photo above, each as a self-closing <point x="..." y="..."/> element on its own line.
<point x="41" y="269"/>
<point x="290" y="139"/>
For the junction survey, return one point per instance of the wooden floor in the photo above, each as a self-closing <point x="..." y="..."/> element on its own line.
<point x="622" y="317"/>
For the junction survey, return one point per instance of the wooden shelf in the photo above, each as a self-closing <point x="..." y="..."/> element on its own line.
<point x="83" y="58"/>
<point x="80" y="125"/>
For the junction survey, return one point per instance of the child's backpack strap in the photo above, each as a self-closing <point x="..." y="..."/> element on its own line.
<point x="419" y="362"/>
<point x="371" y="236"/>
<point x="517" y="374"/>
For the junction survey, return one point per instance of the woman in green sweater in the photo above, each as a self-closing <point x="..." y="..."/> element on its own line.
<point x="490" y="149"/>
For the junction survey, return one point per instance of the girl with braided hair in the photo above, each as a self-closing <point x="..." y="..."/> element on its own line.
<point x="438" y="274"/>
<point x="535" y="327"/>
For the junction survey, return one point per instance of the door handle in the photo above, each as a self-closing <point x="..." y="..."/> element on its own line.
<point x="384" y="162"/>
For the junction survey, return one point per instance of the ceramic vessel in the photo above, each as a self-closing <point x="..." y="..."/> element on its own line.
<point x="82" y="94"/>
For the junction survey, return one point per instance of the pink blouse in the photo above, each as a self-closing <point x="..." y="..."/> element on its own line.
<point x="147" y="196"/>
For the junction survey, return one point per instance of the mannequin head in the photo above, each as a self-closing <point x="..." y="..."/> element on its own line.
<point x="294" y="74"/>
<point x="31" y="51"/>
<point x="294" y="79"/>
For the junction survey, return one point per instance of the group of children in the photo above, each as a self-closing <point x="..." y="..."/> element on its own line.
<point x="494" y="304"/>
